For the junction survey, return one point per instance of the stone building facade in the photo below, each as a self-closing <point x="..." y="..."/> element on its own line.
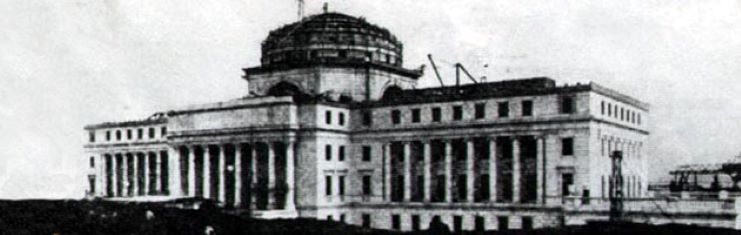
<point x="335" y="128"/>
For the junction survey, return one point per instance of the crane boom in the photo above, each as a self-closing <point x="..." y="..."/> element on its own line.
<point x="434" y="67"/>
<point x="467" y="73"/>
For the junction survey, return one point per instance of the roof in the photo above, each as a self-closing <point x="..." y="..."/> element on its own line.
<point x="156" y="118"/>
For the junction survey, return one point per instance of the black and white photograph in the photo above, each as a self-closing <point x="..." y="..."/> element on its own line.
<point x="370" y="117"/>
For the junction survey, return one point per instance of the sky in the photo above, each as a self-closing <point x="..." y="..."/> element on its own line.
<point x="68" y="63"/>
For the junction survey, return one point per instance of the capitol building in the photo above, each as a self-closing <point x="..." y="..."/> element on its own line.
<point x="335" y="128"/>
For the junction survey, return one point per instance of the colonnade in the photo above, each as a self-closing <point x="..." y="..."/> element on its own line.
<point x="132" y="174"/>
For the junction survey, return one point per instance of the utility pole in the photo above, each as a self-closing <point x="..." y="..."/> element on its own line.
<point x="616" y="187"/>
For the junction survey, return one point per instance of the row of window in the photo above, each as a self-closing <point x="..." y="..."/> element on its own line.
<point x="366" y="185"/>
<point x="340" y="118"/>
<point x="621" y="113"/>
<point x="566" y="106"/>
<point x="340" y="153"/>
<point x="479" y="222"/>
<point x="151" y="133"/>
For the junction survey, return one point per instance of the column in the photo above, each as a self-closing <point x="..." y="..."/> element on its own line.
<point x="114" y="175"/>
<point x="222" y="173"/>
<point x="238" y="175"/>
<point x="145" y="168"/>
<point x="253" y="174"/>
<point x="290" y="177"/>
<point x="493" y="169"/>
<point x="386" y="172"/>
<point x="206" y="172"/>
<point x="407" y="173"/>
<point x="271" y="175"/>
<point x="427" y="171"/>
<point x="448" y="171"/>
<point x="173" y="158"/>
<point x="471" y="174"/>
<point x="136" y="174"/>
<point x="540" y="169"/>
<point x="157" y="172"/>
<point x="126" y="175"/>
<point x="191" y="171"/>
<point x="515" y="170"/>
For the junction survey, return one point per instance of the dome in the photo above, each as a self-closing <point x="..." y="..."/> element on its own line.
<point x="331" y="37"/>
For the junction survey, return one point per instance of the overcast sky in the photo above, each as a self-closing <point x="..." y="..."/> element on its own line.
<point x="68" y="63"/>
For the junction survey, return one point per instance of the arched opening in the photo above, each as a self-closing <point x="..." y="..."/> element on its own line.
<point x="391" y="92"/>
<point x="285" y="89"/>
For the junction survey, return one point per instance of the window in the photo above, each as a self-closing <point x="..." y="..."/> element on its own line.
<point x="108" y="135"/>
<point x="118" y="135"/>
<point x="342" y="119"/>
<point x="602" y="105"/>
<point x="395" y="222"/>
<point x="457" y="223"/>
<point x="91" y="136"/>
<point x="527" y="223"/>
<point x="328" y="152"/>
<point x="457" y="112"/>
<point x="502" y="223"/>
<point x="367" y="185"/>
<point x="341" y="153"/>
<point x="479" y="111"/>
<point x="415" y="223"/>
<point x="415" y="116"/>
<point x="328" y="117"/>
<point x="567" y="146"/>
<point x="609" y="109"/>
<point x="527" y="108"/>
<point x="567" y="104"/>
<point x="151" y="133"/>
<point x="367" y="118"/>
<point x="328" y="185"/>
<point x="342" y="218"/>
<point x="395" y="116"/>
<point x="140" y="133"/>
<point x="366" y="153"/>
<point x="366" y="220"/>
<point x="92" y="162"/>
<point x="479" y="223"/>
<point x="622" y="113"/>
<point x="503" y="109"/>
<point x="341" y="181"/>
<point x="163" y="131"/>
<point x="639" y="119"/>
<point x="436" y="114"/>
<point x="128" y="134"/>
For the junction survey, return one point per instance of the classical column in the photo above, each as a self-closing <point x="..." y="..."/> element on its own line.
<point x="493" y="169"/>
<point x="387" y="172"/>
<point x="540" y="169"/>
<point x="271" y="175"/>
<point x="173" y="159"/>
<point x="222" y="172"/>
<point x="114" y="175"/>
<point x="253" y="174"/>
<point x="290" y="177"/>
<point x="471" y="174"/>
<point x="145" y="174"/>
<point x="407" y="173"/>
<point x="134" y="164"/>
<point x="206" y="172"/>
<point x="448" y="170"/>
<point x="191" y="170"/>
<point x="157" y="173"/>
<point x="427" y="171"/>
<point x="127" y="175"/>
<point x="515" y="170"/>
<point x="238" y="175"/>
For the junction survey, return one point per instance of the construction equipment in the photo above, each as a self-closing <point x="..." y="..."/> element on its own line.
<point x="434" y="67"/>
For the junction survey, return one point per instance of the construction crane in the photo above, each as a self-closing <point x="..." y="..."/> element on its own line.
<point x="434" y="67"/>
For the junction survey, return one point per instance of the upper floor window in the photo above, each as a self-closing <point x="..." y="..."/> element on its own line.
<point x="567" y="146"/>
<point x="151" y="133"/>
<point x="92" y="162"/>
<point x="342" y="119"/>
<point x="602" y="105"/>
<point x="367" y="118"/>
<point x="91" y="136"/>
<point x="366" y="185"/>
<point x="395" y="116"/>
<point x="567" y="104"/>
<point x="479" y="111"/>
<point x="341" y="153"/>
<point x="639" y="119"/>
<point x="163" y="131"/>
<point x="609" y="109"/>
<point x="503" y="109"/>
<point x="527" y="108"/>
<point x="366" y="153"/>
<point x="328" y="117"/>
<point x="128" y="134"/>
<point x="436" y="114"/>
<point x="341" y="184"/>
<point x="108" y="135"/>
<point x="457" y="112"/>
<point x="140" y="133"/>
<point x="328" y="185"/>
<point x="328" y="152"/>
<point x="416" y="115"/>
<point x="118" y="135"/>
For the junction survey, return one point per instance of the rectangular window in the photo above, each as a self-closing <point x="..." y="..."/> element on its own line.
<point x="503" y="109"/>
<point x="567" y="104"/>
<point x="415" y="223"/>
<point x="622" y="114"/>
<point x="416" y="116"/>
<point x="92" y="162"/>
<point x="609" y="109"/>
<point x="341" y="153"/>
<point x="366" y="153"/>
<point x="366" y="185"/>
<point x="395" y="222"/>
<point x="366" y="220"/>
<point x="603" y="107"/>
<point x="342" y="218"/>
<point x="328" y="152"/>
<point x="479" y="223"/>
<point x="367" y="118"/>
<point x="342" y="119"/>
<point x="502" y="223"/>
<point x="567" y="146"/>
<point x="395" y="116"/>
<point x="639" y="119"/>
<point x="479" y="111"/>
<point x="163" y="131"/>
<point x="341" y="181"/>
<point x="108" y="135"/>
<point x="140" y="133"/>
<point x="457" y="112"/>
<point x="457" y="224"/>
<point x="128" y="134"/>
<point x="91" y="136"/>
<point x="527" y="223"/>
<point x="328" y="117"/>
<point x="328" y="185"/>
<point x="151" y="133"/>
<point x="436" y="115"/>
<point x="527" y="108"/>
